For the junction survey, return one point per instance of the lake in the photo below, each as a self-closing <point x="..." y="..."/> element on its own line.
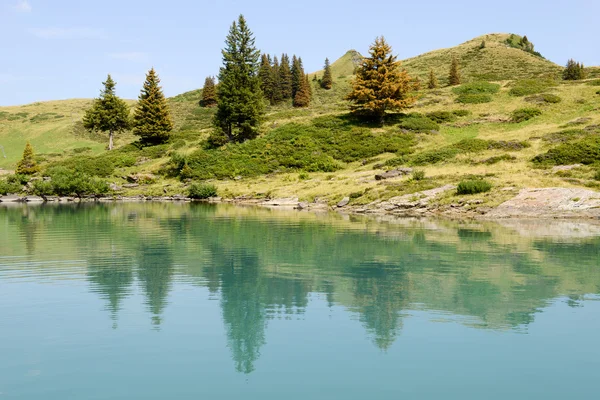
<point x="190" y="301"/>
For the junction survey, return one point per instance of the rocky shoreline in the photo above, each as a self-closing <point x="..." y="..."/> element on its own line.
<point x="541" y="203"/>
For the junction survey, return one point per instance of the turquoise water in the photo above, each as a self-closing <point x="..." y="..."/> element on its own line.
<point x="180" y="301"/>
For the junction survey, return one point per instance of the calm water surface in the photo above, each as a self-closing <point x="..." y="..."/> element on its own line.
<point x="169" y="301"/>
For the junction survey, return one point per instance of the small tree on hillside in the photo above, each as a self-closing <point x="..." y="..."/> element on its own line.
<point x="265" y="74"/>
<point x="152" y="119"/>
<point x="454" y="76"/>
<point x="574" y="71"/>
<point x="297" y="75"/>
<point x="276" y="79"/>
<point x="27" y="165"/>
<point x="432" y="83"/>
<point x="209" y="93"/>
<point x="285" y="77"/>
<point x="327" y="80"/>
<point x="379" y="84"/>
<point x="302" y="98"/>
<point x="108" y="113"/>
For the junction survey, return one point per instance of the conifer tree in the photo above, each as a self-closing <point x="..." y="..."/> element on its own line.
<point x="27" y="165"/>
<point x="265" y="74"/>
<point x="574" y="71"/>
<point x="454" y="76"/>
<point x="152" y="119"/>
<point x="297" y="75"/>
<point x="285" y="77"/>
<point x="327" y="80"/>
<point x="209" y="92"/>
<point x="302" y="98"/>
<point x="432" y="83"/>
<point x="379" y="84"/>
<point x="108" y="113"/>
<point x="240" y="105"/>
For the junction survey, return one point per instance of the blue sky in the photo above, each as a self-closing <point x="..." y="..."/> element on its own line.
<point x="58" y="49"/>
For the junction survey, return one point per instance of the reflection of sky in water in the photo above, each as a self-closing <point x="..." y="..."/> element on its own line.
<point x="175" y="301"/>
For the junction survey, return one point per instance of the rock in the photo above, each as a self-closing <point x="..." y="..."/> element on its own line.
<point x="33" y="199"/>
<point x="11" y="198"/>
<point x="65" y="199"/>
<point x="284" y="202"/>
<point x="115" y="188"/>
<point x="394" y="173"/>
<point x="237" y="178"/>
<point x="345" y="201"/>
<point x="141" y="178"/>
<point x="51" y="199"/>
<point x="559" y="168"/>
<point x="131" y="185"/>
<point x="302" y="205"/>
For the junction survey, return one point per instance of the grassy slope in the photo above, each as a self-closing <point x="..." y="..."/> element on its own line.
<point x="55" y="133"/>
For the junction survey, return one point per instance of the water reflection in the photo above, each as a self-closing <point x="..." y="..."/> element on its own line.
<point x="263" y="265"/>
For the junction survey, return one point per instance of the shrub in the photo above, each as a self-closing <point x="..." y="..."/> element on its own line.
<point x="42" y="188"/>
<point x="179" y="143"/>
<point x="18" y="179"/>
<point x="356" y="195"/>
<point x="441" y="116"/>
<point x="479" y="98"/>
<point x="473" y="186"/>
<point x="477" y="88"/>
<point x="478" y="145"/>
<point x="66" y="182"/>
<point x="497" y="159"/>
<point x="8" y="187"/>
<point x="594" y="82"/>
<point x="525" y="114"/>
<point x="418" y="175"/>
<point x="544" y="98"/>
<point x="201" y="191"/>
<point x="434" y="156"/>
<point x="79" y="150"/>
<point x="584" y="151"/>
<point x="419" y="124"/>
<point x="461" y="113"/>
<point x="598" y="92"/>
<point x="597" y="175"/>
<point x="528" y="87"/>
<point x="565" y="136"/>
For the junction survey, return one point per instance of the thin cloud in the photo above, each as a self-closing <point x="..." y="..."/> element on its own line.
<point x="68" y="33"/>
<point x="133" y="56"/>
<point x="22" y="6"/>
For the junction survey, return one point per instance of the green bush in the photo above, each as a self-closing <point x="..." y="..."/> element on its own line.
<point x="598" y="92"/>
<point x="8" y="187"/>
<point x="418" y="175"/>
<point x="42" y="188"/>
<point x="461" y="113"/>
<point x="479" y="98"/>
<point x="528" y="87"/>
<point x="565" y="136"/>
<point x="18" y="179"/>
<point x="544" y="98"/>
<point x="473" y="186"/>
<point x="597" y="175"/>
<point x="441" y="116"/>
<point x="478" y="145"/>
<point x="497" y="159"/>
<point x="584" y="151"/>
<point x="66" y="182"/>
<point x="477" y="88"/>
<point x="419" y="124"/>
<point x="594" y="82"/>
<point x="525" y="114"/>
<point x="434" y="156"/>
<point x="202" y="191"/>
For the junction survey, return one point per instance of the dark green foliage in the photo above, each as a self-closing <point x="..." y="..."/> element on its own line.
<point x="522" y="43"/>
<point x="297" y="75"/>
<point x="27" y="165"/>
<point x="574" y="71"/>
<point x="478" y="145"/>
<point x="202" y="191"/>
<point x="597" y="175"/>
<point x="277" y="95"/>
<point x="239" y="100"/>
<point x="432" y="82"/>
<point x="324" y="146"/>
<point x="302" y="98"/>
<point x="8" y="186"/>
<point x="434" y="156"/>
<point x="461" y="113"/>
<point x="474" y="98"/>
<point x="418" y="123"/>
<point x="525" y="114"/>
<point x="527" y="87"/>
<point x="441" y="116"/>
<point x="544" y="98"/>
<point x="418" y="175"/>
<point x="327" y="80"/>
<point x="285" y="77"/>
<point x="565" y="136"/>
<point x="66" y="182"/>
<point x="473" y="186"/>
<point x="584" y="151"/>
<point x="476" y="88"/>
<point x="96" y="166"/>
<point x="267" y="81"/>
<point x="108" y="113"/>
<point x="497" y="159"/>
<point x="152" y="119"/>
<point x="209" y="93"/>
<point x="454" y="75"/>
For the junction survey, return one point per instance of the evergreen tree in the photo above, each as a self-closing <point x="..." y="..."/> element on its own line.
<point x="152" y="119"/>
<point x="240" y="103"/>
<point x="482" y="45"/>
<point x="276" y="79"/>
<point x="454" y="76"/>
<point x="285" y="77"/>
<point x="379" y="84"/>
<point x="27" y="165"/>
<point x="265" y="74"/>
<point x="302" y="98"/>
<point x="574" y="71"/>
<point x="327" y="80"/>
<point x="433" y="80"/>
<point x="209" y="93"/>
<point x="108" y="113"/>
<point x="297" y="75"/>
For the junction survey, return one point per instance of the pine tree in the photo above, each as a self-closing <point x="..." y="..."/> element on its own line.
<point x="27" y="165"/>
<point x="379" y="84"/>
<point x="277" y="90"/>
<point x="240" y="104"/>
<point x="209" y="93"/>
<point x="108" y="113"/>
<point x="574" y="71"/>
<point x="265" y="74"/>
<point x="327" y="80"/>
<point x="285" y="77"/>
<point x="152" y="119"/>
<point x="297" y="75"/>
<point x="302" y="98"/>
<point x="454" y="76"/>
<point x="433" y="80"/>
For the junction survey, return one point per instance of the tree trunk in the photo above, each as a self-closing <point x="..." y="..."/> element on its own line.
<point x="110" y="140"/>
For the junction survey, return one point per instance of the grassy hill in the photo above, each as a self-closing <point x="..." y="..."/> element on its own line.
<point x="321" y="152"/>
